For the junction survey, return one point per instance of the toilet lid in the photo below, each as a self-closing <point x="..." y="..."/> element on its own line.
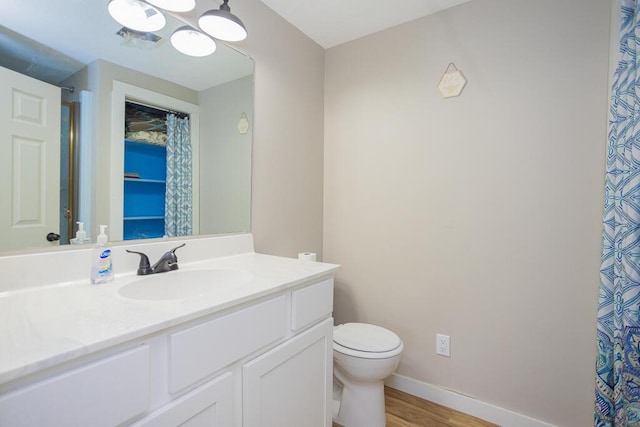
<point x="365" y="337"/>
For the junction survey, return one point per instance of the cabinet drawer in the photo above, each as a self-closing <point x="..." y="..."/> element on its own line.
<point x="199" y="351"/>
<point x="104" y="393"/>
<point x="209" y="405"/>
<point x="311" y="304"/>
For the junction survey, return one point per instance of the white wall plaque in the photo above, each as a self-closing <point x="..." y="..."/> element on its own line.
<point x="243" y="124"/>
<point x="452" y="82"/>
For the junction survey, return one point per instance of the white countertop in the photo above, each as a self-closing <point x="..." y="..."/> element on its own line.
<point x="41" y="327"/>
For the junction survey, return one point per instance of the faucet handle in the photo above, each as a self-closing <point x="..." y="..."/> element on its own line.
<point x="144" y="267"/>
<point x="171" y="258"/>
<point x="173" y="251"/>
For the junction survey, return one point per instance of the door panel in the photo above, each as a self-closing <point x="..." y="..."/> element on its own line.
<point x="29" y="160"/>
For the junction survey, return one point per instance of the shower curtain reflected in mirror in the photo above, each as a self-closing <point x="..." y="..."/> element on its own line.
<point x="178" y="206"/>
<point x="617" y="400"/>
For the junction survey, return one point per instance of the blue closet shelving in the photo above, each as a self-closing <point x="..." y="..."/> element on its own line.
<point x="144" y="189"/>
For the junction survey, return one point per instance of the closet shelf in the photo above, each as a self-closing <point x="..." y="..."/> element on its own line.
<point x="148" y="181"/>
<point x="143" y="218"/>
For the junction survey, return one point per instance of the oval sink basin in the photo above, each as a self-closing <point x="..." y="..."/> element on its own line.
<point x="183" y="284"/>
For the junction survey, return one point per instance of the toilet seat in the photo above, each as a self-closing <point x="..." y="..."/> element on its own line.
<point x="366" y="341"/>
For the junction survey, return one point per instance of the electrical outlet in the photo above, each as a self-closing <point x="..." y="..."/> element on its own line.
<point x="443" y="345"/>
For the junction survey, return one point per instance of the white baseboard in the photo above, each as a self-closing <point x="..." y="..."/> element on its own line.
<point x="462" y="403"/>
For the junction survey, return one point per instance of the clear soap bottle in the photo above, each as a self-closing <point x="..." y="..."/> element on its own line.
<point x="81" y="235"/>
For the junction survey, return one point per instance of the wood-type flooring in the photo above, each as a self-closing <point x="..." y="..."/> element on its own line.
<point x="405" y="410"/>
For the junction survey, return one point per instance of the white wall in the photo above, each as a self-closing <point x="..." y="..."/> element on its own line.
<point x="479" y="216"/>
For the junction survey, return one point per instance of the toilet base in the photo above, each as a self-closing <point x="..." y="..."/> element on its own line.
<point x="359" y="369"/>
<point x="361" y="404"/>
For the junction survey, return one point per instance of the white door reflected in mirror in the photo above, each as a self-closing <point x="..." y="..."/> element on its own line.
<point x="29" y="161"/>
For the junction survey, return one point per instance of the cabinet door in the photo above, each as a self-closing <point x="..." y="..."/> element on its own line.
<point x="210" y="405"/>
<point x="290" y="386"/>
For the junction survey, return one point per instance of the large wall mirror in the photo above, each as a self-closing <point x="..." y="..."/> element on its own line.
<point x="100" y="69"/>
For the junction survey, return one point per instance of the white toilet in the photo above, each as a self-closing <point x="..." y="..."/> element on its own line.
<point x="363" y="356"/>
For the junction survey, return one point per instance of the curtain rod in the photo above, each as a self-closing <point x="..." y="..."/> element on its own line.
<point x="155" y="107"/>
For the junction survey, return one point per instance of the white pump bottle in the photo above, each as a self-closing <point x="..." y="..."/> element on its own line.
<point x="102" y="268"/>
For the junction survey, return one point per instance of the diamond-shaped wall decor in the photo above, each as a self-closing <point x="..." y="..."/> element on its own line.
<point x="451" y="83"/>
<point x="243" y="124"/>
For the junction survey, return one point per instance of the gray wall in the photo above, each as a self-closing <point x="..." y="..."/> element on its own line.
<point x="479" y="216"/>
<point x="288" y="133"/>
<point x="225" y="158"/>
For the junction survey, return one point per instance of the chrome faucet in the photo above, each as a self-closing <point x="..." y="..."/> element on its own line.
<point x="167" y="262"/>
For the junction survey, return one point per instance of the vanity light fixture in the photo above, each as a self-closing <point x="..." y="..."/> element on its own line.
<point x="192" y="42"/>
<point x="143" y="17"/>
<point x="174" y="5"/>
<point x="222" y="24"/>
<point x="137" y="15"/>
<point x="138" y="39"/>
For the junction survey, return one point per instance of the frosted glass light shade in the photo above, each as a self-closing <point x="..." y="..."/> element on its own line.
<point x="222" y="25"/>
<point x="137" y="15"/>
<point x="174" y="5"/>
<point x="192" y="42"/>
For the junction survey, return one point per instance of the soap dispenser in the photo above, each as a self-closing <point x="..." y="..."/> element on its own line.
<point x="102" y="268"/>
<point x="81" y="235"/>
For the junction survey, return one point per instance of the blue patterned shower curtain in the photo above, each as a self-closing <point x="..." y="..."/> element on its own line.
<point x="617" y="400"/>
<point x="178" y="204"/>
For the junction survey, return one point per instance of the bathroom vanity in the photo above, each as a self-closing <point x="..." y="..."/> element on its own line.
<point x="253" y="349"/>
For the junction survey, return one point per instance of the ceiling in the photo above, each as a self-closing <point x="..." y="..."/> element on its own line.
<point x="333" y="22"/>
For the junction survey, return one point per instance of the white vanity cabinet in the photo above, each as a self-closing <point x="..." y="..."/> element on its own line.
<point x="265" y="362"/>
<point x="290" y="385"/>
